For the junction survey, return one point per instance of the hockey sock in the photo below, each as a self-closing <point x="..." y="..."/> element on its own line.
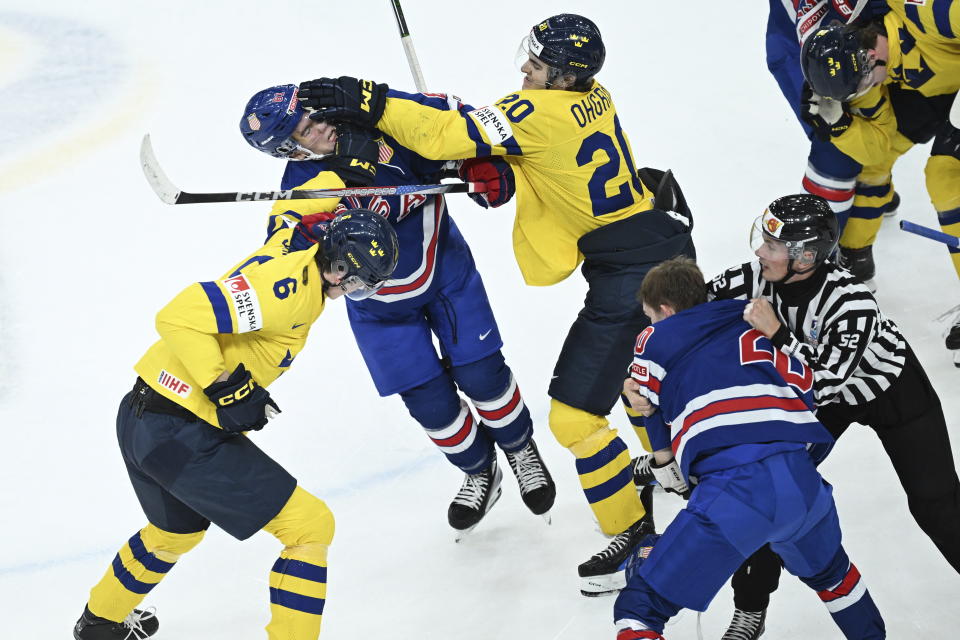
<point x="603" y="464"/>
<point x="492" y="389"/>
<point x="449" y="423"/>
<point x="866" y="214"/>
<point x="636" y="421"/>
<point x="943" y="178"/>
<point x="137" y="568"/>
<point x="298" y="579"/>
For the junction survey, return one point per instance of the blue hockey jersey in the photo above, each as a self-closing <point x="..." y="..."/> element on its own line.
<point x="424" y="230"/>
<point x="720" y="386"/>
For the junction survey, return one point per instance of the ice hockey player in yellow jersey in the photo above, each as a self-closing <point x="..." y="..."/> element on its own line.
<point x="200" y="387"/>
<point x="579" y="198"/>
<point x="881" y="87"/>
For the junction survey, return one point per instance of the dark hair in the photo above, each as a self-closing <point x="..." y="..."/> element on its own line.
<point x="677" y="282"/>
<point x="867" y="33"/>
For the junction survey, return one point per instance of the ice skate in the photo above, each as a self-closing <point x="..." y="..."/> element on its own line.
<point x="746" y="625"/>
<point x="478" y="493"/>
<point x="536" y="486"/>
<point x="138" y="625"/>
<point x="892" y="208"/>
<point x="603" y="573"/>
<point x="952" y="333"/>
<point x="643" y="471"/>
<point x="859" y="262"/>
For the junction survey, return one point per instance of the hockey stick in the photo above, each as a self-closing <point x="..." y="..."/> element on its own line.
<point x="171" y="194"/>
<point x="933" y="234"/>
<point x="408" y="49"/>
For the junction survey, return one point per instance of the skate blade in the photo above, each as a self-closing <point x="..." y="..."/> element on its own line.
<point x="546" y="516"/>
<point x="462" y="533"/>
<point x="870" y="284"/>
<point x="609" y="584"/>
<point x="956" y="359"/>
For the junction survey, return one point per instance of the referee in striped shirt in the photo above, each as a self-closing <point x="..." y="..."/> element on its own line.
<point x="864" y="371"/>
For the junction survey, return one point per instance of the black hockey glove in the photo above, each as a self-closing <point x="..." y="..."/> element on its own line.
<point x="345" y="99"/>
<point x="828" y="118"/>
<point x="242" y="404"/>
<point x="355" y="157"/>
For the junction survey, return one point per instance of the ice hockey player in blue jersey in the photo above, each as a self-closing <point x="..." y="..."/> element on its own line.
<point x="435" y="289"/>
<point x="734" y="412"/>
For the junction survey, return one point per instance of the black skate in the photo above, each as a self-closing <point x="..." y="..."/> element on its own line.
<point x="603" y="573"/>
<point x="746" y="625"/>
<point x="859" y="262"/>
<point x="642" y="471"/>
<point x="478" y="493"/>
<point x="892" y="208"/>
<point x="136" y="626"/>
<point x="536" y="486"/>
<point x="952" y="334"/>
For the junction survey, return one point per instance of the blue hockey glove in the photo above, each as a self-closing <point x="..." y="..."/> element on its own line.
<point x="345" y="99"/>
<point x="242" y="404"/>
<point x="496" y="174"/>
<point x="310" y="230"/>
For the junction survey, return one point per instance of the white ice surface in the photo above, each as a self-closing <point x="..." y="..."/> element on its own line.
<point x="88" y="254"/>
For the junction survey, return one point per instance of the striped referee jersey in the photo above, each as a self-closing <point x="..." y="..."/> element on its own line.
<point x="833" y="324"/>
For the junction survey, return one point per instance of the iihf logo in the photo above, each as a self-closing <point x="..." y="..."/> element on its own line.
<point x="814" y="333"/>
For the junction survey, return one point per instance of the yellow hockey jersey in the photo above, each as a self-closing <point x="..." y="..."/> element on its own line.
<point x="572" y="161"/>
<point x="258" y="313"/>
<point x="924" y="49"/>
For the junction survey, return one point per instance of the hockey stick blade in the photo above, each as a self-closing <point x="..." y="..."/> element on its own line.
<point x="169" y="193"/>
<point x="157" y="179"/>
<point x="933" y="234"/>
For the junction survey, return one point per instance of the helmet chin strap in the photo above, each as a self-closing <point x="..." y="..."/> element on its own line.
<point x="791" y="272"/>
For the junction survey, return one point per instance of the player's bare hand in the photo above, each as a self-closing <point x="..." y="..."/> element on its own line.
<point x="640" y="404"/>
<point x="760" y="315"/>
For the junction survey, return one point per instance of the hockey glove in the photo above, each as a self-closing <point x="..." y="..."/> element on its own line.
<point x="345" y="99"/>
<point x="310" y="230"/>
<point x="670" y="478"/>
<point x="493" y="172"/>
<point x="828" y="118"/>
<point x="356" y="155"/>
<point x="242" y="404"/>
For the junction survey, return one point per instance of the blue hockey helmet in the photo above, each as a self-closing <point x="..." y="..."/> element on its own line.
<point x="269" y="120"/>
<point x="570" y="44"/>
<point x="362" y="248"/>
<point x="805" y="224"/>
<point x="834" y="62"/>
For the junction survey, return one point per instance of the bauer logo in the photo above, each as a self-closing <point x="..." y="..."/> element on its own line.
<point x="245" y="303"/>
<point x="494" y="123"/>
<point x="169" y="381"/>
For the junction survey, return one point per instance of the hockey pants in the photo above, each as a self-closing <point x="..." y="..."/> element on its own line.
<point x="909" y="421"/>
<point x="780" y="499"/>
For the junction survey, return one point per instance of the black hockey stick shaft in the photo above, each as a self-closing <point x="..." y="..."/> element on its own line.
<point x="407" y="41"/>
<point x="185" y="197"/>
<point x="171" y="194"/>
